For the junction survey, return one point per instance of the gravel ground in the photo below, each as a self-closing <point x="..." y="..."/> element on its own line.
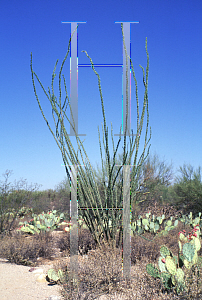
<point x="17" y="283"/>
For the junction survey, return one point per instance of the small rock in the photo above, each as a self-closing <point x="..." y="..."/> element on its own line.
<point x="41" y="278"/>
<point x="54" y="298"/>
<point x="32" y="269"/>
<point x="38" y="271"/>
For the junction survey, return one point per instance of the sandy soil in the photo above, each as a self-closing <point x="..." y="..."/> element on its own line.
<point x="17" y="283"/>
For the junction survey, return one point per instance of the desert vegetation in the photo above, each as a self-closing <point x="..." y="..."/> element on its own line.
<point x="101" y="274"/>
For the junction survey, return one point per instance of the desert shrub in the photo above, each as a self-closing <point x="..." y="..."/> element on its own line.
<point x="25" y="249"/>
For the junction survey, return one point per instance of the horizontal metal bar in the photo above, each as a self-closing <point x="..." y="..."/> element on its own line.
<point x="74" y="165"/>
<point x="125" y="22"/>
<point x="85" y="165"/>
<point x="118" y="134"/>
<point x="75" y="22"/>
<point x="101" y="208"/>
<point x="100" y="65"/>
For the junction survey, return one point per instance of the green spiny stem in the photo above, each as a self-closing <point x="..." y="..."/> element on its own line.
<point x="87" y="190"/>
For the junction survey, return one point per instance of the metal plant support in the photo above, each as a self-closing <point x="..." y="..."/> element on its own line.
<point x="88" y="192"/>
<point x="126" y="254"/>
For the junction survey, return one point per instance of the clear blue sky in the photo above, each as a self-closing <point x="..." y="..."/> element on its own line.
<point x="173" y="31"/>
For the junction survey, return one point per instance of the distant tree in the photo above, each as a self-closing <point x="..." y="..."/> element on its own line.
<point x="63" y="196"/>
<point x="156" y="183"/>
<point x="155" y="179"/>
<point x="188" y="188"/>
<point x="153" y="182"/>
<point x="11" y="200"/>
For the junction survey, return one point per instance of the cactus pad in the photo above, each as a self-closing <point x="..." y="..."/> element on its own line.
<point x="145" y="222"/>
<point x="166" y="279"/>
<point x="169" y="223"/>
<point x="182" y="237"/>
<point x="164" y="251"/>
<point x="161" y="265"/>
<point x="151" y="270"/>
<point x="180" y="245"/>
<point x="170" y="265"/>
<point x="52" y="275"/>
<point x="175" y="260"/>
<point x="195" y="258"/>
<point x="187" y="264"/>
<point x="188" y="251"/>
<point x="179" y="276"/>
<point x="196" y="242"/>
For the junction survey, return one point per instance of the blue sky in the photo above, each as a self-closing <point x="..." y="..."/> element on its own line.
<point x="173" y="31"/>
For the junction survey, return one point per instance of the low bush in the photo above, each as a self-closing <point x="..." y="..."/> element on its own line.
<point x="102" y="272"/>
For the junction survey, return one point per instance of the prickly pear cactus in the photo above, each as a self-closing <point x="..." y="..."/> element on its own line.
<point x="170" y="265"/>
<point x="53" y="276"/>
<point x="192" y="222"/>
<point x="179" y="276"/>
<point x="152" y="224"/>
<point x="178" y="280"/>
<point x="188" y="251"/>
<point x="151" y="270"/>
<point x="183" y="238"/>
<point x="164" y="251"/>
<point x="43" y="222"/>
<point x="196" y="242"/>
<point x="161" y="264"/>
<point x="166" y="278"/>
<point x="195" y="258"/>
<point x="29" y="229"/>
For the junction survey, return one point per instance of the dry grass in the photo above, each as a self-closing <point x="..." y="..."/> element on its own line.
<point x="100" y="276"/>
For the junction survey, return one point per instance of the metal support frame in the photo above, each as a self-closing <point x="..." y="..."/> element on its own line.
<point x="74" y="78"/>
<point x="126" y="254"/>
<point x="126" y="217"/>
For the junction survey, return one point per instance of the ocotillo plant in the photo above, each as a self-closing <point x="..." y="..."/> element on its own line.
<point x="87" y="186"/>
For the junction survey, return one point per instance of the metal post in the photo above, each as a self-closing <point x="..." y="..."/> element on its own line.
<point x="126" y="253"/>
<point x="74" y="77"/>
<point x="74" y="227"/>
